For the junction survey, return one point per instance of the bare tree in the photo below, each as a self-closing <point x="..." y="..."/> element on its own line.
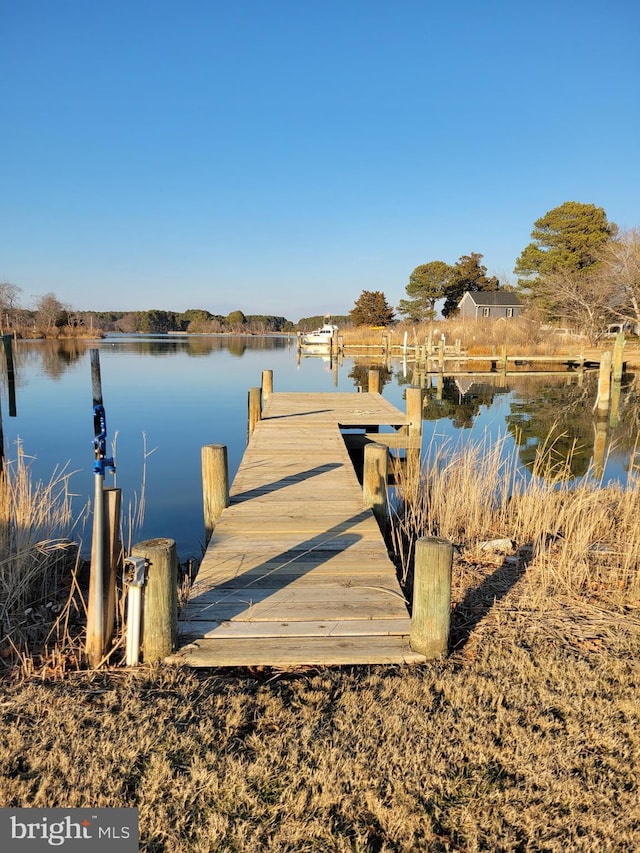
<point x="49" y="309"/>
<point x="621" y="267"/>
<point x="581" y="299"/>
<point x="9" y="301"/>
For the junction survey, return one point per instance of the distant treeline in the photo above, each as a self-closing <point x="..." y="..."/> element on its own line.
<point x="194" y="320"/>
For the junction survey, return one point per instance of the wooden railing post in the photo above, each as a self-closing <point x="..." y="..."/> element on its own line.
<point x="374" y="480"/>
<point x="413" y="396"/>
<point x="160" y="610"/>
<point x="267" y="384"/>
<point x="255" y="407"/>
<point x="618" y="357"/>
<point x="604" y="382"/>
<point x="374" y="381"/>
<point x="215" y="484"/>
<point x="431" y="612"/>
<point x="112" y="559"/>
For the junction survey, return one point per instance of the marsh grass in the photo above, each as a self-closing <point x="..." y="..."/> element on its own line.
<point x="39" y="548"/>
<point x="582" y="536"/>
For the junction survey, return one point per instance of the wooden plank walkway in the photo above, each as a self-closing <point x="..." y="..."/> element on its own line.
<point x="296" y="571"/>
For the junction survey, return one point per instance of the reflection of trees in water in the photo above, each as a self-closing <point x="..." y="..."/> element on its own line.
<point x="360" y="374"/>
<point x="458" y="402"/>
<point x="546" y="413"/>
<point x="53" y="357"/>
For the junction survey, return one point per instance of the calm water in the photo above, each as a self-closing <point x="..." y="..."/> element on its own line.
<point x="167" y="396"/>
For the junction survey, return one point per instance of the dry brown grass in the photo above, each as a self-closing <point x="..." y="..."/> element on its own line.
<point x="518" y="742"/>
<point x="526" y="738"/>
<point x="481" y="337"/>
<point x="37" y="553"/>
<point x="582" y="537"/>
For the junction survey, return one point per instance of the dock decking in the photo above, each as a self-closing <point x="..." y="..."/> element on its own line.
<point x="296" y="571"/>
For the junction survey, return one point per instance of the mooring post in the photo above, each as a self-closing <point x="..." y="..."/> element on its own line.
<point x="604" y="382"/>
<point x="255" y="407"/>
<point x="267" y="384"/>
<point x="160" y="610"/>
<point x="11" y="376"/>
<point x="413" y="396"/>
<point x="617" y="357"/>
<point x="374" y="480"/>
<point x="374" y="381"/>
<point x="113" y="558"/>
<point x="431" y="611"/>
<point x="215" y="484"/>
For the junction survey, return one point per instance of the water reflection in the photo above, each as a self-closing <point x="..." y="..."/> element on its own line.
<point x="186" y="391"/>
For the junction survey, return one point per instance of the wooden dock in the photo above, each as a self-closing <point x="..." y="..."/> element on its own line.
<point x="297" y="571"/>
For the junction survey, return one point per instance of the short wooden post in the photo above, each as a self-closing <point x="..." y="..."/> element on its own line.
<point x="604" y="382"/>
<point x="431" y="612"/>
<point x="160" y="610"/>
<point x="215" y="484"/>
<point x="255" y="407"/>
<point x="112" y="559"/>
<point x="617" y="357"/>
<point x="267" y="384"/>
<point x="413" y="396"/>
<point x="374" y="381"/>
<point x="374" y="480"/>
<point x="11" y="376"/>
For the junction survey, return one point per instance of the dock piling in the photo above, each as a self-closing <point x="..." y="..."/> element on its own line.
<point x="431" y="612"/>
<point x="267" y="384"/>
<point x="215" y="484"/>
<point x="374" y="480"/>
<point x="255" y="407"/>
<point x="160" y="609"/>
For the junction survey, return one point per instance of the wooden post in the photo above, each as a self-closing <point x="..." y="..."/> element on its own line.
<point x="374" y="381"/>
<point x="94" y="641"/>
<point x="617" y="357"/>
<point x="413" y="396"/>
<point x="604" y="382"/>
<point x="11" y="376"/>
<point x="374" y="480"/>
<point x="431" y="612"/>
<point x="255" y="407"/>
<point x="112" y="559"/>
<point x="215" y="484"/>
<point x="267" y="384"/>
<point x="160" y="610"/>
<point x="441" y="355"/>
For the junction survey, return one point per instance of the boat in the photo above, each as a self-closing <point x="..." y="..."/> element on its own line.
<point x="320" y="337"/>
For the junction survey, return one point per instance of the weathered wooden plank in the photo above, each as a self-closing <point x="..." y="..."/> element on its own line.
<point x="303" y="651"/>
<point x="269" y="630"/>
<point x="261" y="604"/>
<point x="296" y="571"/>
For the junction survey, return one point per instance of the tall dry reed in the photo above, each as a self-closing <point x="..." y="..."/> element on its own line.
<point x="581" y="536"/>
<point x="38" y="543"/>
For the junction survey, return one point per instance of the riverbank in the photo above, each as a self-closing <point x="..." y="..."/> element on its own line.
<point x="525" y="738"/>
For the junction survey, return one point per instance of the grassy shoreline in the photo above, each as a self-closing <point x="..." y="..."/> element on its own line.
<point x="525" y="738"/>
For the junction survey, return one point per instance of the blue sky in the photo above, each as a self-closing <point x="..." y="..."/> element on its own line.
<point x="280" y="157"/>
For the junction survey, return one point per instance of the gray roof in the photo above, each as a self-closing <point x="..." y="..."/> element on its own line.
<point x="494" y="297"/>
